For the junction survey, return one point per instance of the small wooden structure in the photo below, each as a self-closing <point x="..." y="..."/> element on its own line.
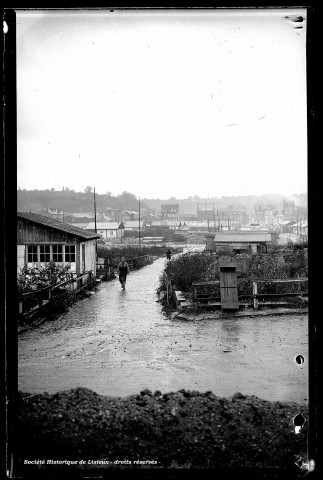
<point x="41" y="240"/>
<point x="239" y="241"/>
<point x="228" y="283"/>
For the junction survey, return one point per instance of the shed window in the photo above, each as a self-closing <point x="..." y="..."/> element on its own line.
<point x="44" y="253"/>
<point x="57" y="253"/>
<point x="32" y="254"/>
<point x="70" y="253"/>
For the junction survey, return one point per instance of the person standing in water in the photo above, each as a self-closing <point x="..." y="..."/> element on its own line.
<point x="123" y="270"/>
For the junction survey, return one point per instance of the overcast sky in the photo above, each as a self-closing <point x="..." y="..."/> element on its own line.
<point x="161" y="104"/>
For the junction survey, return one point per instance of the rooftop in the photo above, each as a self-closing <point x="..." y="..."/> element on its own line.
<point x="251" y="237"/>
<point x="51" y="223"/>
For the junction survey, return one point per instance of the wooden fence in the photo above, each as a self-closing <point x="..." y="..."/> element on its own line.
<point x="255" y="295"/>
<point x="45" y="295"/>
<point x="215" y="300"/>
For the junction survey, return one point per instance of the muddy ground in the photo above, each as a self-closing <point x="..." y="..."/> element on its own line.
<point x="178" y="430"/>
<point x="118" y="343"/>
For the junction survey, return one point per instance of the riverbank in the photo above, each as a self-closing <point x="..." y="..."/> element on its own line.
<point x="183" y="429"/>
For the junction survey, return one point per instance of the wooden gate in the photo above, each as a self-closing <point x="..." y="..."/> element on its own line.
<point x="228" y="283"/>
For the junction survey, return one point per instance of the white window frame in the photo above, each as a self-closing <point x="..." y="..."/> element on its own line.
<point x="39" y="251"/>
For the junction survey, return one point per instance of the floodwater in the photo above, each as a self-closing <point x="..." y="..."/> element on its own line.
<point x="119" y="342"/>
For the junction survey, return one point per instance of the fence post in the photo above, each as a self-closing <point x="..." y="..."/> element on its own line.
<point x="167" y="289"/>
<point x="73" y="293"/>
<point x="20" y="308"/>
<point x="255" y="292"/>
<point x="40" y="300"/>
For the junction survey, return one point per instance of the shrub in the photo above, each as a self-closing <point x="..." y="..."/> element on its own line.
<point x="185" y="270"/>
<point x="33" y="279"/>
<point x="30" y="279"/>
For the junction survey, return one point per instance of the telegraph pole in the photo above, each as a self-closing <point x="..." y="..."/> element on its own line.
<point x="139" y="227"/>
<point x="96" y="241"/>
<point x="94" y="211"/>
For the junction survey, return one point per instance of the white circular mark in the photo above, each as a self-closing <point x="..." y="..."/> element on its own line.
<point x="5" y="27"/>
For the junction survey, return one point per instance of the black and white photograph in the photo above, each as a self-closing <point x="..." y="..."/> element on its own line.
<point x="162" y="306"/>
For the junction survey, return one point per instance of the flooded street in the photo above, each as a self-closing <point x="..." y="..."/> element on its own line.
<point x="119" y="342"/>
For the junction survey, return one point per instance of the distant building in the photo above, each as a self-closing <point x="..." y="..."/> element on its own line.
<point x="151" y="217"/>
<point x="263" y="214"/>
<point x="304" y="229"/>
<point x="300" y="228"/>
<point x="56" y="214"/>
<point x="81" y="214"/>
<point x="107" y="230"/>
<point x="133" y="225"/>
<point x="239" y="242"/>
<point x="254" y="226"/>
<point x="171" y="224"/>
<point x="114" y="214"/>
<point x="222" y="216"/>
<point x="287" y="226"/>
<point x="289" y="209"/>
<point x="269" y="217"/>
<point x="197" y="226"/>
<point x="41" y="240"/>
<point x="187" y="216"/>
<point x="170" y="211"/>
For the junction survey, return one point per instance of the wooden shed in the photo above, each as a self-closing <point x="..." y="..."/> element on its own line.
<point x="41" y="240"/>
<point x="238" y="241"/>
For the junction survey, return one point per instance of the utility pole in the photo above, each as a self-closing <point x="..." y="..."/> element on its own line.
<point x="139" y="227"/>
<point x="297" y="226"/>
<point x="94" y="211"/>
<point x="96" y="242"/>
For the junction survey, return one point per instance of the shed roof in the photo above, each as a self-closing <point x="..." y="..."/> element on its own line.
<point x="62" y="227"/>
<point x="252" y="237"/>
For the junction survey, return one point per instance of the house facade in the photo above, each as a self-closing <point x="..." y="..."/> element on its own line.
<point x="170" y="211"/>
<point x="300" y="228"/>
<point x="107" y="230"/>
<point x="41" y="240"/>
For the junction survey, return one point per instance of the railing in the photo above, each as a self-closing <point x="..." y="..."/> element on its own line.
<point x="199" y="297"/>
<point x="255" y="295"/>
<point x="45" y="295"/>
